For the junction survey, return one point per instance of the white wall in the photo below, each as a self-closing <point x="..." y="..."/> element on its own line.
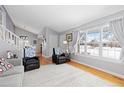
<point x="114" y="67"/>
<point x="9" y="23"/>
<point x="97" y="22"/>
<point x="106" y="65"/>
<point x="4" y="46"/>
<point x="53" y="43"/>
<point x="52" y="38"/>
<point x="62" y="37"/>
<point x="22" y="32"/>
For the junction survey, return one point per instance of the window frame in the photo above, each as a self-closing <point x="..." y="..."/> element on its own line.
<point x="100" y="28"/>
<point x="92" y="30"/>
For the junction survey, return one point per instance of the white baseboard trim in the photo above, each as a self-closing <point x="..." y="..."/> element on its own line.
<point x="113" y="73"/>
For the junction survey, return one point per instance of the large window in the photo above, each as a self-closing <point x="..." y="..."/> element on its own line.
<point x="99" y="42"/>
<point x="93" y="39"/>
<point x="110" y="46"/>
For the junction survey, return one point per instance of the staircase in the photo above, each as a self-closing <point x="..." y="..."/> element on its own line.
<point x="10" y="38"/>
<point x="9" y="41"/>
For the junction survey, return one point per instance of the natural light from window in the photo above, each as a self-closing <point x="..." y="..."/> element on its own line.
<point x="99" y="42"/>
<point x="93" y="39"/>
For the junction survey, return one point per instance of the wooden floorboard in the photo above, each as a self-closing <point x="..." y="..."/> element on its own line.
<point x="43" y="60"/>
<point x="106" y="76"/>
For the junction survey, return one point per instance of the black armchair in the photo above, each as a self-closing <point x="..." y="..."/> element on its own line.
<point x="60" y="58"/>
<point x="31" y="63"/>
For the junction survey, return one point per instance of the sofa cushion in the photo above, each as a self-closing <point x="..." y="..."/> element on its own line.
<point x="14" y="70"/>
<point x="4" y="65"/>
<point x="15" y="62"/>
<point x="30" y="51"/>
<point x="58" y="51"/>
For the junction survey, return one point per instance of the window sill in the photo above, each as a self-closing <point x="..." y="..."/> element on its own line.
<point x="100" y="58"/>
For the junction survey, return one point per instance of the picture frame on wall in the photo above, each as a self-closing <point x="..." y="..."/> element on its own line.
<point x="69" y="37"/>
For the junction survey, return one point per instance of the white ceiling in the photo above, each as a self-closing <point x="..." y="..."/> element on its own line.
<point x="58" y="17"/>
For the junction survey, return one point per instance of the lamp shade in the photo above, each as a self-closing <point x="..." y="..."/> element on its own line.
<point x="65" y="42"/>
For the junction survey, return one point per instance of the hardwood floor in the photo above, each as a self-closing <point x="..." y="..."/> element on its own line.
<point x="44" y="61"/>
<point x="106" y="76"/>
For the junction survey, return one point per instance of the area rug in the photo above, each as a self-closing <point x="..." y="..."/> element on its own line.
<point x="63" y="75"/>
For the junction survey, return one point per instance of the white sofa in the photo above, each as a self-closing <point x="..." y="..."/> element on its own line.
<point x="14" y="76"/>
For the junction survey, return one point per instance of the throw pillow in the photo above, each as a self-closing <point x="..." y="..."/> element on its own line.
<point x="4" y="65"/>
<point x="57" y="51"/>
<point x="1" y="71"/>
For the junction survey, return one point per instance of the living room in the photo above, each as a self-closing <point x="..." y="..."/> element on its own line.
<point x="82" y="47"/>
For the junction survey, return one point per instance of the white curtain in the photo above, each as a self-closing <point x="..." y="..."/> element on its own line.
<point x="117" y="26"/>
<point x="72" y="45"/>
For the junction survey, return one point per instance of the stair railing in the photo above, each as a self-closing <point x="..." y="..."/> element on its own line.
<point x="10" y="37"/>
